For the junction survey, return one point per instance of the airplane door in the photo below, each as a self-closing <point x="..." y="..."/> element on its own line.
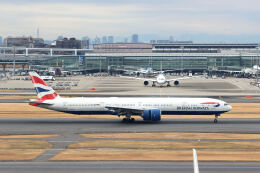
<point x="140" y="105"/>
<point x="65" y="105"/>
<point x="102" y="105"/>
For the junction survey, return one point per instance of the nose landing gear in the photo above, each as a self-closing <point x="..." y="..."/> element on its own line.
<point x="216" y="118"/>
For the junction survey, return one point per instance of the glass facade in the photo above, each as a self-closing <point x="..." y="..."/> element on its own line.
<point x="104" y="62"/>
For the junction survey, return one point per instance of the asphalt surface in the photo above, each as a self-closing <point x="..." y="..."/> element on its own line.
<point x="68" y="127"/>
<point x="128" y="167"/>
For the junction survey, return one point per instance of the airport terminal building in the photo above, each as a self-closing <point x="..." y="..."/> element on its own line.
<point x="118" y="56"/>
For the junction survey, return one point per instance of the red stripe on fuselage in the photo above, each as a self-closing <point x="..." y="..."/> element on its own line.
<point x="37" y="80"/>
<point x="210" y="103"/>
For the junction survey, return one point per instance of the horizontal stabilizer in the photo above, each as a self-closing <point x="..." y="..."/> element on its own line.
<point x="38" y="102"/>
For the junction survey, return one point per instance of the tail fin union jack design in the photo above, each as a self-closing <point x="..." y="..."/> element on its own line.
<point x="44" y="92"/>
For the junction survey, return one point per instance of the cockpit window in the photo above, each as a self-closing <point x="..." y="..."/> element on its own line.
<point x="225" y="104"/>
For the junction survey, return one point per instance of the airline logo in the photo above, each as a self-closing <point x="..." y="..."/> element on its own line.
<point x="44" y="92"/>
<point x="216" y="104"/>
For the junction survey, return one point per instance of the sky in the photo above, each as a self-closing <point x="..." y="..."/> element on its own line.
<point x="197" y="20"/>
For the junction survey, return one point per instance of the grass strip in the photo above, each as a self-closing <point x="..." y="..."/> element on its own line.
<point x="27" y="136"/>
<point x="172" y="135"/>
<point x="166" y="145"/>
<point x="19" y="155"/>
<point x="155" y="155"/>
<point x="24" y="144"/>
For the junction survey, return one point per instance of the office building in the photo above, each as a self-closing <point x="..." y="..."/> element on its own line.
<point x="23" y="41"/>
<point x="104" y="39"/>
<point x="110" y="39"/>
<point x="68" y="43"/>
<point x="134" y="38"/>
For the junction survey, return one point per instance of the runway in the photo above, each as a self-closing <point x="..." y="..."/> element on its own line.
<point x="128" y="167"/>
<point x="76" y="126"/>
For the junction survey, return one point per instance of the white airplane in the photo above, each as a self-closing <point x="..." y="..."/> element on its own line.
<point x="145" y="72"/>
<point x="161" y="80"/>
<point x="148" y="108"/>
<point x="255" y="69"/>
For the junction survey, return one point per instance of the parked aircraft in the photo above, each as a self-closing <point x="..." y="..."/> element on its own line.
<point x="252" y="71"/>
<point x="148" y="108"/>
<point x="145" y="72"/>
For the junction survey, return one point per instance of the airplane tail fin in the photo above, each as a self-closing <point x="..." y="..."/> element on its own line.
<point x="44" y="92"/>
<point x="195" y="161"/>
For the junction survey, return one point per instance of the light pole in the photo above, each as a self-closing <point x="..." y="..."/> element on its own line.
<point x="14" y="61"/>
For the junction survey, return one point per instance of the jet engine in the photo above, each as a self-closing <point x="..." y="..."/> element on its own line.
<point x="176" y="83"/>
<point x="152" y="115"/>
<point x="146" y="83"/>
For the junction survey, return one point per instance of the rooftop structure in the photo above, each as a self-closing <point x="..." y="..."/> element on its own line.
<point x="122" y="48"/>
<point x="23" y="41"/>
<point x="71" y="43"/>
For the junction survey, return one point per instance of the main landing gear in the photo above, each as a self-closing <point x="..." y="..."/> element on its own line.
<point x="153" y="85"/>
<point x="216" y="118"/>
<point x="128" y="118"/>
<point x="168" y="84"/>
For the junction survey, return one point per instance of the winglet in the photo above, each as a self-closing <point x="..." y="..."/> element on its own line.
<point x="195" y="161"/>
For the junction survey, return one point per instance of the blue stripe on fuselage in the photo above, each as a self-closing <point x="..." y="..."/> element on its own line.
<point x="163" y="112"/>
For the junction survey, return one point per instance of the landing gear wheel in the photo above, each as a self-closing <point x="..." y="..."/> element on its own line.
<point x="132" y="120"/>
<point x="216" y="118"/>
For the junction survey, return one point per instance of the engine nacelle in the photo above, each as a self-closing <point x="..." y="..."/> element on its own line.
<point x="176" y="83"/>
<point x="152" y="115"/>
<point x="146" y="83"/>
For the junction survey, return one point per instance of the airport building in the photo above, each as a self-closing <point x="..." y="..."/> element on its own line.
<point x="173" y="56"/>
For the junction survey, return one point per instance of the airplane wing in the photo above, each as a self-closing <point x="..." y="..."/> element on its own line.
<point x="180" y="78"/>
<point x="143" y="79"/>
<point x="124" y="109"/>
<point x="137" y="110"/>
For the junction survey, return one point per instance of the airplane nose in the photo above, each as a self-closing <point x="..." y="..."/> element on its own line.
<point x="229" y="108"/>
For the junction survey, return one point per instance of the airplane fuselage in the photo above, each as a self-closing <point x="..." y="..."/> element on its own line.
<point x="184" y="106"/>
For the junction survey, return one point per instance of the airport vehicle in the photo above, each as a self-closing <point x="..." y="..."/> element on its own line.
<point x="148" y="108"/>
<point x="46" y="78"/>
